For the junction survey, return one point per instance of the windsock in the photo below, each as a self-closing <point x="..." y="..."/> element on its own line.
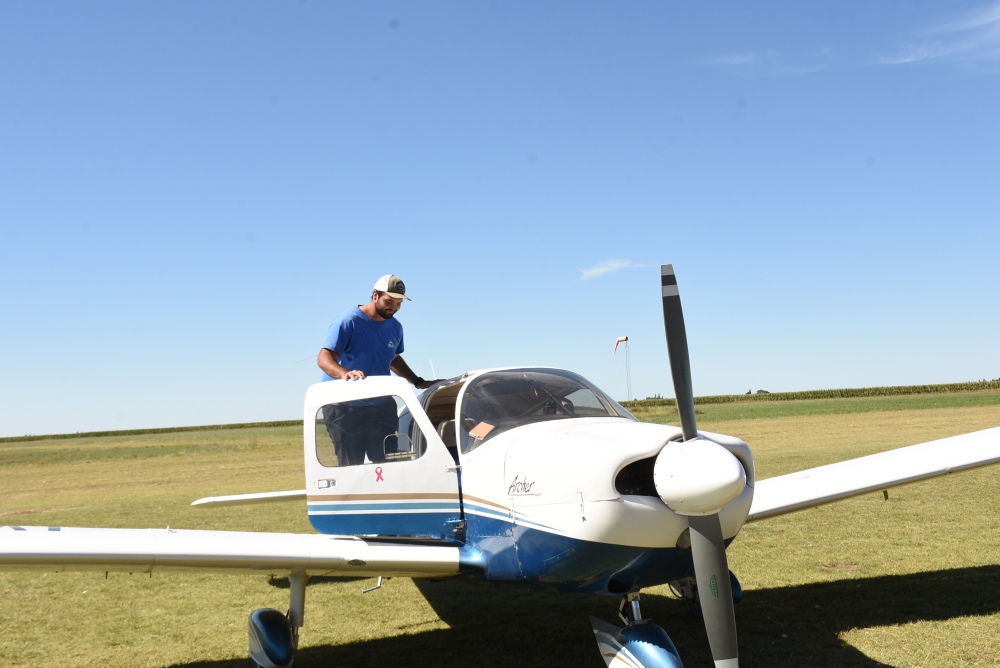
<point x="620" y="339"/>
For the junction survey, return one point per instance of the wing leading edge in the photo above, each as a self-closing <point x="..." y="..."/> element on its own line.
<point x="833" y="482"/>
<point x="148" y="550"/>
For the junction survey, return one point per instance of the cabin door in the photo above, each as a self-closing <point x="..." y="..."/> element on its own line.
<point x="374" y="464"/>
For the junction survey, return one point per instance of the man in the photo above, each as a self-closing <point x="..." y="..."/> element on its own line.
<point x="367" y="340"/>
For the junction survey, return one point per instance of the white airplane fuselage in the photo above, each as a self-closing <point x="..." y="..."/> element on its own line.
<point x="549" y="482"/>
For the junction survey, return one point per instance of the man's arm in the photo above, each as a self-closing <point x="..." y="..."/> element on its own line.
<point x="329" y="362"/>
<point x="402" y="369"/>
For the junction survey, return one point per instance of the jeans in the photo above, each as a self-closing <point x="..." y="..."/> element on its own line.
<point x="362" y="430"/>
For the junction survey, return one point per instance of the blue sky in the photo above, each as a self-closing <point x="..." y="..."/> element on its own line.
<point x="190" y="192"/>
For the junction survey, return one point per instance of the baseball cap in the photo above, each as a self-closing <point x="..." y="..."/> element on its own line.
<point x="393" y="285"/>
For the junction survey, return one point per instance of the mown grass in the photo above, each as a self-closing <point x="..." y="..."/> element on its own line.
<point x="912" y="581"/>
<point x="774" y="408"/>
<point x="841" y="393"/>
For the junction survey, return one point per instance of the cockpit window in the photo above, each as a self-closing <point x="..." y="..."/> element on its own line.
<point x="501" y="400"/>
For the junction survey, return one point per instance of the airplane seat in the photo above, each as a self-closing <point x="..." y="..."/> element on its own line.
<point x="446" y="430"/>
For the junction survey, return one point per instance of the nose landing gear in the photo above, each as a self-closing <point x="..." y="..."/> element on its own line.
<point x="638" y="643"/>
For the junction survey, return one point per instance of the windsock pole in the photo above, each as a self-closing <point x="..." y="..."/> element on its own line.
<point x="628" y="366"/>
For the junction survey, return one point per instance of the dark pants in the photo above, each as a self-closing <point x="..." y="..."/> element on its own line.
<point x="357" y="431"/>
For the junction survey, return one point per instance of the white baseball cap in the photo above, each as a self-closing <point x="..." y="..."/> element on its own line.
<point x="393" y="286"/>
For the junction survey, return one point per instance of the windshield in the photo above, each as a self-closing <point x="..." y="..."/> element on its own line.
<point x="501" y="400"/>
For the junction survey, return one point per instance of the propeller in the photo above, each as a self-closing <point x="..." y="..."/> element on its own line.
<point x="696" y="478"/>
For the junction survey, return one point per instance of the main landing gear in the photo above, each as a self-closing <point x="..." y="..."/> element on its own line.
<point x="638" y="643"/>
<point x="687" y="589"/>
<point x="274" y="637"/>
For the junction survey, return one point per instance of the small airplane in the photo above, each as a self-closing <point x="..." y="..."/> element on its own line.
<point x="531" y="477"/>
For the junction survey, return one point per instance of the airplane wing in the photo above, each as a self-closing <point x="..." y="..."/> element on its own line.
<point x="257" y="497"/>
<point x="147" y="550"/>
<point x="833" y="482"/>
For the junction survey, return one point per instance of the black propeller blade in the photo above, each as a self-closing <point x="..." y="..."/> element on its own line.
<point x="708" y="550"/>
<point x="715" y="592"/>
<point x="677" y="349"/>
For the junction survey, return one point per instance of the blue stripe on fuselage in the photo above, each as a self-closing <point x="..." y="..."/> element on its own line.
<point x="328" y="508"/>
<point x="391" y="518"/>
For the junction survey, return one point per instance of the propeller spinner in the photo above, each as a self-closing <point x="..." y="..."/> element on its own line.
<point x="696" y="478"/>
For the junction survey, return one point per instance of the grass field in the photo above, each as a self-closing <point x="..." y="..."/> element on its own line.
<point x="909" y="581"/>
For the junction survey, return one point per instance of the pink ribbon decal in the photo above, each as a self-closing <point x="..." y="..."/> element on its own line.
<point x="378" y="474"/>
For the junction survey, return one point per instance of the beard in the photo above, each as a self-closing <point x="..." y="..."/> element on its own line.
<point x="383" y="313"/>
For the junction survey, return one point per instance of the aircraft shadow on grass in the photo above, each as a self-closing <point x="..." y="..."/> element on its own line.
<point x="785" y="626"/>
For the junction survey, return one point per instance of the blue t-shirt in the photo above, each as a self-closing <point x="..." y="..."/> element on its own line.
<point x="363" y="343"/>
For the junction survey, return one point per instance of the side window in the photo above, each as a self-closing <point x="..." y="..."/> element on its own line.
<point x="369" y="431"/>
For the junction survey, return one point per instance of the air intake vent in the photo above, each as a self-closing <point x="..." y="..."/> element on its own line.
<point x="636" y="479"/>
